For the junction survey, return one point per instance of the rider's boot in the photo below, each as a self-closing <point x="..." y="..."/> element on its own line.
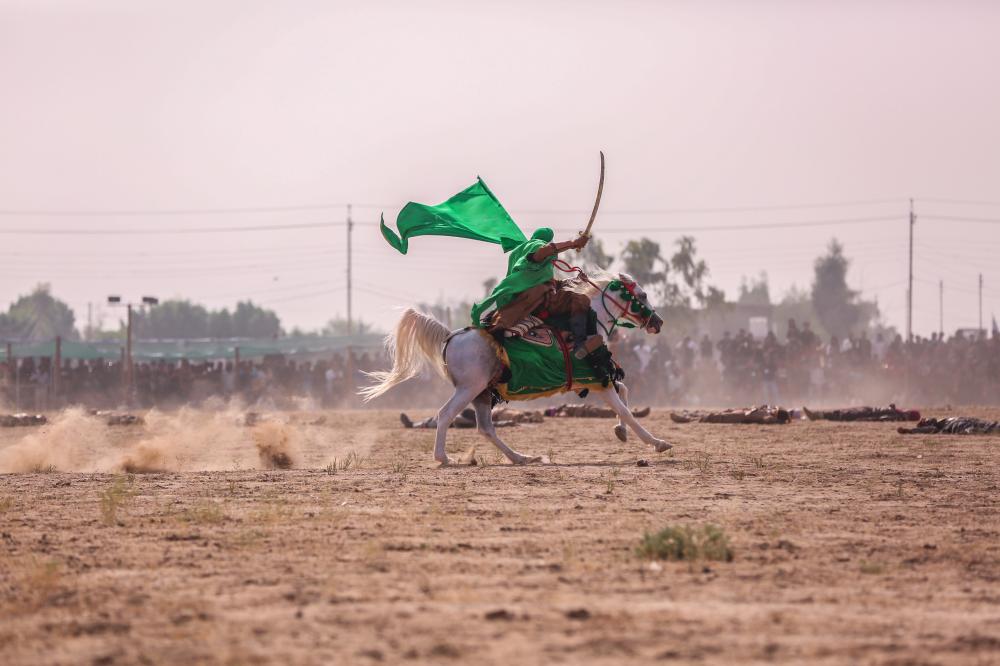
<point x="578" y="328"/>
<point x="600" y="361"/>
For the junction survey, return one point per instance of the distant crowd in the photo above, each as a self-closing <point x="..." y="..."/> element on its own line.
<point x="275" y="381"/>
<point x="737" y="369"/>
<point x="740" y="369"/>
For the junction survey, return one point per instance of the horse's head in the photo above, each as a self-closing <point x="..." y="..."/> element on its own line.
<point x="627" y="302"/>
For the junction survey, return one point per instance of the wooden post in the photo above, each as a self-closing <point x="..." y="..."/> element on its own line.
<point x="129" y="376"/>
<point x="124" y="372"/>
<point x="17" y="386"/>
<point x="57" y="369"/>
<point x="10" y="373"/>
<point x="349" y="375"/>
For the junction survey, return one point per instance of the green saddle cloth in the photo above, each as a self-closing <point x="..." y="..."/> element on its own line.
<point x="538" y="367"/>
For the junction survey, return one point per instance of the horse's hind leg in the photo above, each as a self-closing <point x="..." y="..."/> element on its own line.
<point x="462" y="397"/>
<point x="484" y="421"/>
<point x="615" y="403"/>
<point x="621" y="432"/>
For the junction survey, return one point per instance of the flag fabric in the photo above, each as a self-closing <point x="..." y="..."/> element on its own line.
<point x="473" y="213"/>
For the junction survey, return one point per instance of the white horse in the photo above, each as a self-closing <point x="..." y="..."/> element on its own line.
<point x="470" y="363"/>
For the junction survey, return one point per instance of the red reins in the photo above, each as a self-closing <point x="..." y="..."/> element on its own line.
<point x="566" y="268"/>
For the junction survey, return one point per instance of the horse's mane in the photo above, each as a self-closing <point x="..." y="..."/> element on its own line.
<point x="597" y="274"/>
<point x="602" y="275"/>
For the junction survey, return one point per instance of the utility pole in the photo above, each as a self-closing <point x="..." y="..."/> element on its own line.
<point x="980" y="302"/>
<point x="941" y="310"/>
<point x="56" y="369"/>
<point x="909" y="289"/>
<point x="350" y="227"/>
<point x="10" y="369"/>
<point x="128" y="373"/>
<point x="129" y="377"/>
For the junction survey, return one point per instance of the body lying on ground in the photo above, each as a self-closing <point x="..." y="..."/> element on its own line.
<point x="890" y="413"/>
<point x="506" y="416"/>
<point x="953" y="425"/>
<point x="467" y="419"/>
<point x="763" y="415"/>
<point x="118" y="418"/>
<point x="18" y="420"/>
<point x="590" y="411"/>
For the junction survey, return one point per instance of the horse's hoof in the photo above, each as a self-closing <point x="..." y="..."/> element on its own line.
<point x="446" y="461"/>
<point x="662" y="446"/>
<point x="621" y="433"/>
<point x="527" y="460"/>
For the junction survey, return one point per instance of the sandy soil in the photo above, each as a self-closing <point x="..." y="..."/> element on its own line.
<point x="852" y="545"/>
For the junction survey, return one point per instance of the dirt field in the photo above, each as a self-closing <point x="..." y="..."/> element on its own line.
<point x="852" y="545"/>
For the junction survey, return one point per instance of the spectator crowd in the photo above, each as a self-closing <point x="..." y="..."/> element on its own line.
<point x="275" y="381"/>
<point x="740" y="369"/>
<point x="736" y="369"/>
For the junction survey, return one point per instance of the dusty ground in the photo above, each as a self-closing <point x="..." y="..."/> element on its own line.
<point x="852" y="545"/>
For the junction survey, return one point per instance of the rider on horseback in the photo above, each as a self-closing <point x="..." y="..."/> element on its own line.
<point x="530" y="288"/>
<point x="529" y="294"/>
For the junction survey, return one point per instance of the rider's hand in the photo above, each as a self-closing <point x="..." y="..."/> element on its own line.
<point x="581" y="242"/>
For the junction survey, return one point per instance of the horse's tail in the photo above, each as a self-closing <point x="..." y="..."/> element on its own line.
<point x="417" y="340"/>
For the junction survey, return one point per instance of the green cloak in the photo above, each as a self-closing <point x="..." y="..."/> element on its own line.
<point x="522" y="273"/>
<point x="472" y="213"/>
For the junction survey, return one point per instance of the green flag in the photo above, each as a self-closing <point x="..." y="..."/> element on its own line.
<point x="472" y="213"/>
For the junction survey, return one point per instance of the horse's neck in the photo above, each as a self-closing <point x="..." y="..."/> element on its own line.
<point x="605" y="319"/>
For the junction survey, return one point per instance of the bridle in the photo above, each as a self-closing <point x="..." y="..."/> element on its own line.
<point x="629" y="304"/>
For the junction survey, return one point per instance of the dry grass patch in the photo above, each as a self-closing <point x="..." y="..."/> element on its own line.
<point x="115" y="497"/>
<point x="686" y="543"/>
<point x="204" y="513"/>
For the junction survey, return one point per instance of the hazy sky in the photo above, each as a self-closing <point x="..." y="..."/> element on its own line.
<point x="160" y="107"/>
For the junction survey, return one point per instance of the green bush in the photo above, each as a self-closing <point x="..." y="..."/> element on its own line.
<point x="708" y="542"/>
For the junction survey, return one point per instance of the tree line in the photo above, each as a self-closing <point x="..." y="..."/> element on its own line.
<point x="676" y="278"/>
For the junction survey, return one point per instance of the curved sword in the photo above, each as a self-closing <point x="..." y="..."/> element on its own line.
<point x="597" y="202"/>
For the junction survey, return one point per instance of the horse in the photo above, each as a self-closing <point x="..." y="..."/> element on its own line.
<point x="470" y="362"/>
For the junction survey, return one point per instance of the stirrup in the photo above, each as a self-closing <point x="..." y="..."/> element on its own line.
<point x="589" y="346"/>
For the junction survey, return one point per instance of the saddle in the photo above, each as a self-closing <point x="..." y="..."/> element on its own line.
<point x="541" y="363"/>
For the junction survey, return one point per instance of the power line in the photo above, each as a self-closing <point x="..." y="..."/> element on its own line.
<point x="165" y="212"/>
<point x="266" y="290"/>
<point x="960" y="202"/>
<point x="178" y="230"/>
<point x="741" y="227"/>
<point x="297" y="297"/>
<point x="292" y="208"/>
<point x="295" y="208"/>
<point x="321" y="225"/>
<point x="709" y="210"/>
<point x="143" y="254"/>
<point x="954" y="218"/>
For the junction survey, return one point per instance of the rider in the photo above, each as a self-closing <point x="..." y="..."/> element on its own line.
<point x="530" y="287"/>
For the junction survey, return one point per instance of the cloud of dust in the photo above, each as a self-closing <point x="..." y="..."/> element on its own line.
<point x="65" y="444"/>
<point x="277" y="445"/>
<point x="149" y="456"/>
<point x="306" y="404"/>
<point x="188" y="439"/>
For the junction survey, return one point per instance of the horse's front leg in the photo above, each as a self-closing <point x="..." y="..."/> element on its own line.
<point x="484" y="421"/>
<point x="624" y="415"/>
<point x="621" y="432"/>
